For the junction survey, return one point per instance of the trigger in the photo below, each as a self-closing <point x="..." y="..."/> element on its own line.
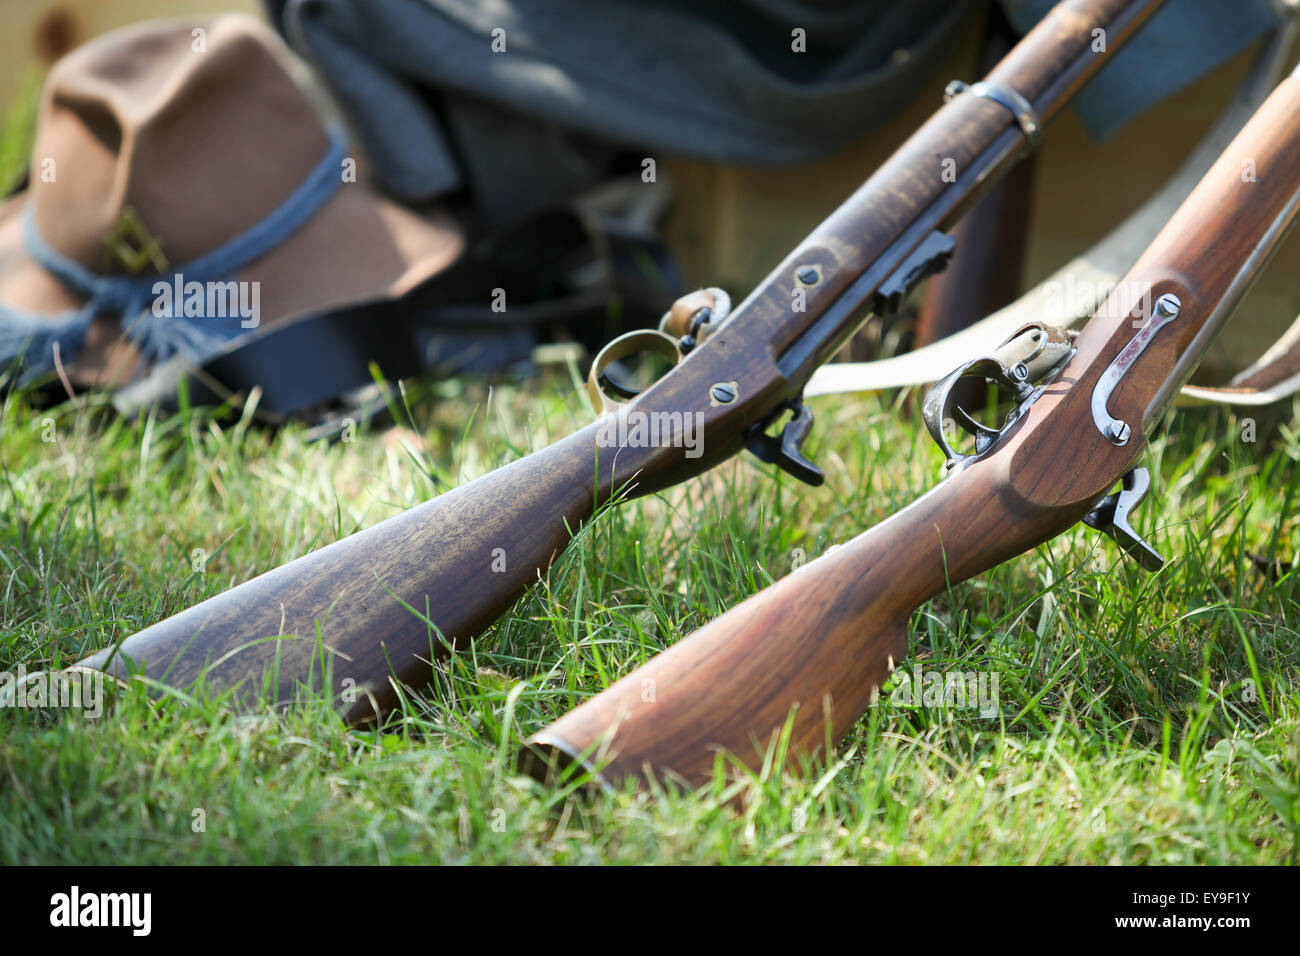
<point x="784" y="452"/>
<point x="984" y="436"/>
<point x="1111" y="517"/>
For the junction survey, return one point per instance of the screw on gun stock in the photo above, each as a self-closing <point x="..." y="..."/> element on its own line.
<point x="1168" y="306"/>
<point x="808" y="275"/>
<point x="724" y="393"/>
<point x="1119" y="432"/>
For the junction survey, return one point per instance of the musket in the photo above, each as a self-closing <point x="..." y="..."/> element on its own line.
<point x="815" y="648"/>
<point x="372" y="611"/>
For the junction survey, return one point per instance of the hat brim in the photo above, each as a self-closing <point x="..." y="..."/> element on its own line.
<point x="358" y="247"/>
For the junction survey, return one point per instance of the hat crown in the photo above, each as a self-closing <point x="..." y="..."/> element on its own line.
<point x="172" y="137"/>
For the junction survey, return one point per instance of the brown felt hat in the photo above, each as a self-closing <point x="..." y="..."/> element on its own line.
<point x="162" y="143"/>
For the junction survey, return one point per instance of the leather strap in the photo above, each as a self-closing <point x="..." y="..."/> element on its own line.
<point x="1275" y="376"/>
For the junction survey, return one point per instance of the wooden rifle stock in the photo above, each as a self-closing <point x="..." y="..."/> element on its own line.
<point x="820" y="643"/>
<point x="378" y="607"/>
<point x="474" y="549"/>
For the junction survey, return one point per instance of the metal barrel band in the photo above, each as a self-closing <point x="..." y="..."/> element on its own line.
<point x="1006" y="97"/>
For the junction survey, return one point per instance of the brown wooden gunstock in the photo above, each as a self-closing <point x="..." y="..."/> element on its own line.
<point x="345" y="618"/>
<point x="819" y="644"/>
<point x="814" y="647"/>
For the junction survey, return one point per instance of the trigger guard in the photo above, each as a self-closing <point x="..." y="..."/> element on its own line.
<point x="629" y="343"/>
<point x="938" y="402"/>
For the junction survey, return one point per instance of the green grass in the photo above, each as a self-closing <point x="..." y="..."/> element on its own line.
<point x="1126" y="731"/>
<point x="1142" y="719"/>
